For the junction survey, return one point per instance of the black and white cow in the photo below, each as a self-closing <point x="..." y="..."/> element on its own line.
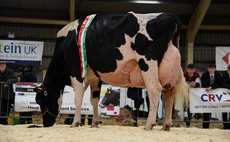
<point x="126" y="50"/>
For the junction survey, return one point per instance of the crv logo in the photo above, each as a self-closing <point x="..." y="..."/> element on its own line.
<point x="213" y="97"/>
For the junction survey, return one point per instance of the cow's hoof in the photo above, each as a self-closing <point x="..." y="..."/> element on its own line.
<point x="77" y="124"/>
<point x="96" y="124"/>
<point x="148" y="128"/>
<point x="166" y="127"/>
<point x="145" y="129"/>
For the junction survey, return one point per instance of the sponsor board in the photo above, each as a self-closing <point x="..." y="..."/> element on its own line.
<point x="25" y="100"/>
<point x="19" y="52"/>
<point x="215" y="100"/>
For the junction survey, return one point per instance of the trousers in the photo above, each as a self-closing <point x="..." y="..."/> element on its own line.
<point x="5" y="106"/>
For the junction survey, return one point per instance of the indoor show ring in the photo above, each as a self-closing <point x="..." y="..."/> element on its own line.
<point x="111" y="130"/>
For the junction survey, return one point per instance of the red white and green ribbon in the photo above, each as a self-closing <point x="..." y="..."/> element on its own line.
<point x="81" y="43"/>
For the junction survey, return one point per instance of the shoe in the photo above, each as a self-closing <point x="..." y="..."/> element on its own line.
<point x="135" y="123"/>
<point x="187" y="126"/>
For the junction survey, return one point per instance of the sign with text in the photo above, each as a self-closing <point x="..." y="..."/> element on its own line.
<point x="25" y="100"/>
<point x="68" y="104"/>
<point x="25" y="97"/>
<point x="19" y="52"/>
<point x="222" y="58"/>
<point x="215" y="100"/>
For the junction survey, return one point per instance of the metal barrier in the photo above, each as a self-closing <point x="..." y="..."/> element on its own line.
<point x="6" y="104"/>
<point x="10" y="113"/>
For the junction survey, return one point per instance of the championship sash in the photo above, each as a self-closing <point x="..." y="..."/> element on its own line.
<point x="81" y="43"/>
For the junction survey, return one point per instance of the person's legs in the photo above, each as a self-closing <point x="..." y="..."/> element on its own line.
<point x="69" y="120"/>
<point x="225" y="118"/>
<point x="3" y="111"/>
<point x="90" y="118"/>
<point x="189" y="118"/>
<point x="206" y="117"/>
<point x="163" y="106"/>
<point x="147" y="102"/>
<point x="22" y="120"/>
<point x="83" y="119"/>
<point x="172" y="110"/>
<point x="29" y="119"/>
<point x="138" y="100"/>
<point x="228" y="124"/>
<point x="135" y="122"/>
<point x="196" y="116"/>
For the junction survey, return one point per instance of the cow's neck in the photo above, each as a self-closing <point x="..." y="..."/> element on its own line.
<point x="55" y="68"/>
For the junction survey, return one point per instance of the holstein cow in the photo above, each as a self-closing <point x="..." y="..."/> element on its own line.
<point x="126" y="50"/>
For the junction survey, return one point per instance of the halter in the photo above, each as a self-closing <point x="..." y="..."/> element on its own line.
<point x="46" y="110"/>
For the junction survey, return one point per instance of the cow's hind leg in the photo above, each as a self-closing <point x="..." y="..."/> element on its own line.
<point x="169" y="98"/>
<point x="154" y="89"/>
<point x="154" y="94"/>
<point x="79" y="89"/>
<point x="94" y="99"/>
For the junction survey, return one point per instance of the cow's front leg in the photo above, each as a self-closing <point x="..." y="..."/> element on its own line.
<point x="169" y="98"/>
<point x="79" y="93"/>
<point x="94" y="99"/>
<point x="154" y="89"/>
<point x="94" y="103"/>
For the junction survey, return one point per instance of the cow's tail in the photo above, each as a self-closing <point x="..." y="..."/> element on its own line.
<point x="182" y="92"/>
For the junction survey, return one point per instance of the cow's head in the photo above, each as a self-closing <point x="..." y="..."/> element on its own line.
<point x="46" y="98"/>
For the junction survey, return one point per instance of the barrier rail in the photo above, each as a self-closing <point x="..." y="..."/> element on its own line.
<point x="13" y="116"/>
